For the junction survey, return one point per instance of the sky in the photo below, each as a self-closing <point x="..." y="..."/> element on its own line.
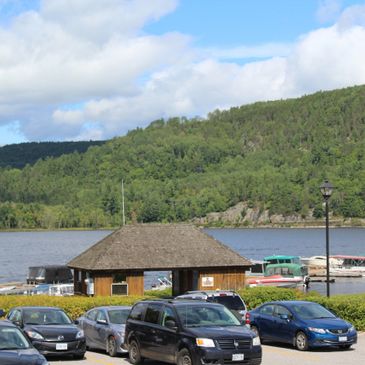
<point x="91" y="69"/>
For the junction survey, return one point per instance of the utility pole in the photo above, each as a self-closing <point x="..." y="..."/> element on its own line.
<point x="123" y="220"/>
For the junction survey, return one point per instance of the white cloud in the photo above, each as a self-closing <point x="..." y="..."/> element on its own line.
<point x="328" y="10"/>
<point x="96" y="54"/>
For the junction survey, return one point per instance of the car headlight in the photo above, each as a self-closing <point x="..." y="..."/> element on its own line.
<point x="256" y="341"/>
<point x="34" y="335"/>
<point x="317" y="330"/>
<point x="352" y="328"/>
<point x="80" y="334"/>
<point x="205" y="342"/>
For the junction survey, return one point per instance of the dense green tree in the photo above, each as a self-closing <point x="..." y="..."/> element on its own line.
<point x="272" y="155"/>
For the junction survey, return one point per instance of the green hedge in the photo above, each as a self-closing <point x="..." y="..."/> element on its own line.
<point x="348" y="307"/>
<point x="74" y="306"/>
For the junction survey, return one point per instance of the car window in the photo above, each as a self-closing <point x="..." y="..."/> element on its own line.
<point x="92" y="315"/>
<point x="206" y="315"/>
<point x="167" y="315"/>
<point x="280" y="310"/>
<point x="45" y="316"/>
<point x="137" y="311"/>
<point x="12" y="338"/>
<point x="267" y="310"/>
<point x="15" y="315"/>
<point x="101" y="316"/>
<point x="118" y="316"/>
<point x="230" y="301"/>
<point x="311" y="311"/>
<point x="152" y="313"/>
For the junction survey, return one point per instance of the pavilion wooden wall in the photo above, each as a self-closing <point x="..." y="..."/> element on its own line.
<point x="225" y="279"/>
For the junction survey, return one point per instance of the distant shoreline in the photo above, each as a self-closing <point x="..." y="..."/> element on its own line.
<point x="212" y="226"/>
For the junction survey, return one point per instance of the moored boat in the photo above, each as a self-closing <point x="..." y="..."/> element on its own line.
<point x="351" y="263"/>
<point x="284" y="275"/>
<point x="275" y="280"/>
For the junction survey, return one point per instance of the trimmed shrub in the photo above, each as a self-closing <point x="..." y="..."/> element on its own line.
<point x="349" y="307"/>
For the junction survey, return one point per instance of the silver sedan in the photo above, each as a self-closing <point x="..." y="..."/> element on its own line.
<point x="104" y="328"/>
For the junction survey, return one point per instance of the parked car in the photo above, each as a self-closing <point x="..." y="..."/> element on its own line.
<point x="15" y="347"/>
<point x="104" y="328"/>
<point x="50" y="330"/>
<point x="301" y="323"/>
<point x="188" y="332"/>
<point x="228" y="298"/>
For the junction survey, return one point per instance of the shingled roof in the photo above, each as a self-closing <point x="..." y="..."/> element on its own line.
<point x="157" y="247"/>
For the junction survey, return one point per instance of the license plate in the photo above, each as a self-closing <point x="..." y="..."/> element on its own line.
<point x="61" y="346"/>
<point x="238" y="357"/>
<point x="342" y="338"/>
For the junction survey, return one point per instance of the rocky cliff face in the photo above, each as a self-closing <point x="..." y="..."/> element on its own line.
<point x="243" y="215"/>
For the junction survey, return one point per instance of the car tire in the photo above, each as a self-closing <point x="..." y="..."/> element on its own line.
<point x="79" y="356"/>
<point x="184" y="357"/>
<point x="301" y="341"/>
<point x="111" y="346"/>
<point x="135" y="357"/>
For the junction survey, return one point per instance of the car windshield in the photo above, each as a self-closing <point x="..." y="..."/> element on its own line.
<point x="45" y="317"/>
<point x="118" y="316"/>
<point x="230" y="301"/>
<point x="12" y="339"/>
<point x="311" y="311"/>
<point x="206" y="315"/>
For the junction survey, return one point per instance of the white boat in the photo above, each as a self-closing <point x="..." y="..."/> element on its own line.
<point x="275" y="280"/>
<point x="163" y="283"/>
<point x="321" y="261"/>
<point x="351" y="263"/>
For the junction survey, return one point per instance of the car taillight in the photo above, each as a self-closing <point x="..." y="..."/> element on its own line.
<point x="247" y="318"/>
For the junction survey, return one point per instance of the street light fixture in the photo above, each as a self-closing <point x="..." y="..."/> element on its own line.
<point x="326" y="190"/>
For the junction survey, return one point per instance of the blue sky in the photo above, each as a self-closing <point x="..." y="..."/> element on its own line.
<point x="91" y="69"/>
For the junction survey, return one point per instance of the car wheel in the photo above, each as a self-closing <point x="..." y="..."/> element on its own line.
<point x="184" y="357"/>
<point x="111" y="346"/>
<point x="301" y="341"/>
<point x="79" y="356"/>
<point x="135" y="353"/>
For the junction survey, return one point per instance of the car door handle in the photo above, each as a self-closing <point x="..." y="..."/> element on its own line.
<point x="153" y="331"/>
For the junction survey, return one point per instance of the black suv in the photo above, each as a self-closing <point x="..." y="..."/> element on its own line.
<point x="189" y="333"/>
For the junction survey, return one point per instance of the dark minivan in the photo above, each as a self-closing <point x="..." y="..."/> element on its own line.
<point x="189" y="333"/>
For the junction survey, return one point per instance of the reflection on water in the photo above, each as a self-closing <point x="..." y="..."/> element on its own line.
<point x="19" y="250"/>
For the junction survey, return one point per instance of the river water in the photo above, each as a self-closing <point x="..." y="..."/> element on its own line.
<point x="19" y="250"/>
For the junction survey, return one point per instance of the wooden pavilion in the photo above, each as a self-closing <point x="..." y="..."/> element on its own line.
<point x="116" y="264"/>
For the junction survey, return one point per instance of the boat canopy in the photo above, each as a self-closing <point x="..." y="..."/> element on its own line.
<point x="286" y="270"/>
<point x="282" y="259"/>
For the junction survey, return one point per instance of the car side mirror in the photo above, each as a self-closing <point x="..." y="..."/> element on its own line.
<point x="2" y="313"/>
<point x="171" y="324"/>
<point x="101" y="321"/>
<point x="284" y="317"/>
<point x="76" y="321"/>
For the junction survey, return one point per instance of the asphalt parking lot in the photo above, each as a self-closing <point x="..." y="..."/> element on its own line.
<point x="272" y="355"/>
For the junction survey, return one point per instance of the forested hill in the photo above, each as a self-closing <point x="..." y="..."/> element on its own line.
<point x="20" y="154"/>
<point x="271" y="155"/>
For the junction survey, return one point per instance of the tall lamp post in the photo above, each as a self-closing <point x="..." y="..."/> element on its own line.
<point x="326" y="190"/>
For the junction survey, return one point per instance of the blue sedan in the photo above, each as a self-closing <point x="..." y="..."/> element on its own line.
<point x="301" y="323"/>
<point x="104" y="328"/>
